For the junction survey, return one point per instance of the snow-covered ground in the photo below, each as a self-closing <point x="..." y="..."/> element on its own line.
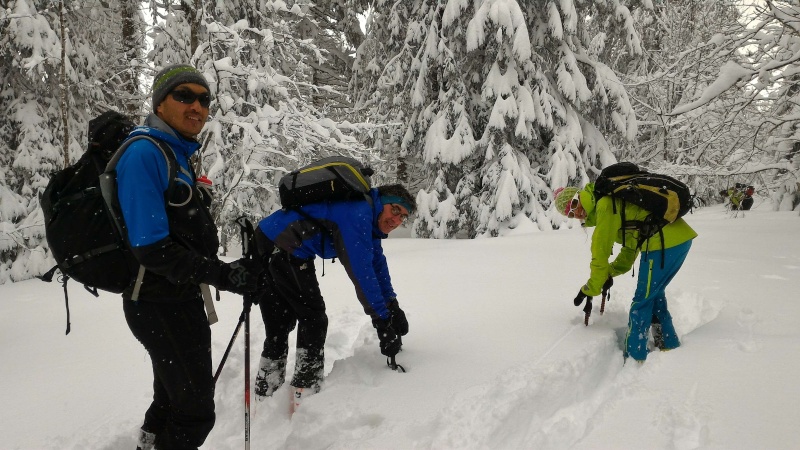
<point x="497" y="357"/>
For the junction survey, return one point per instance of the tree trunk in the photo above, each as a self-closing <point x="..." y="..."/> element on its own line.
<point x="194" y="12"/>
<point x="64" y="85"/>
<point x="402" y="170"/>
<point x="130" y="50"/>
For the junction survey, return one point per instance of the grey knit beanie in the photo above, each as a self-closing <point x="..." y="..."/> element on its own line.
<point x="174" y="75"/>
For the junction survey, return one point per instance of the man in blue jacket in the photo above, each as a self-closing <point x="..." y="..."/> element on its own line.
<point x="173" y="237"/>
<point x="288" y="242"/>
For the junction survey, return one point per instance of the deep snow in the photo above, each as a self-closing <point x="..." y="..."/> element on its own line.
<point x="497" y="356"/>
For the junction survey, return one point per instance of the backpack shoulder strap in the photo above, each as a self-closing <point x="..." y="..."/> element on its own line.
<point x="166" y="150"/>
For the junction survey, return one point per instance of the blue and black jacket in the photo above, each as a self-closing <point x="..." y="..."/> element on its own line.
<point x="169" y="226"/>
<point x="347" y="230"/>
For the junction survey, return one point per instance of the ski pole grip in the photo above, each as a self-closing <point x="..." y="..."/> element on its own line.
<point x="588" y="310"/>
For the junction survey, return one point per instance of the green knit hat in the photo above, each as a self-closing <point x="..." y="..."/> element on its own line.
<point x="171" y="76"/>
<point x="563" y="197"/>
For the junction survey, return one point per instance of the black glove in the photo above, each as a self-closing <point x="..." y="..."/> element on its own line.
<point x="399" y="321"/>
<point x="239" y="277"/>
<point x="580" y="297"/>
<point x="389" y="340"/>
<point x="261" y="287"/>
<point x="607" y="285"/>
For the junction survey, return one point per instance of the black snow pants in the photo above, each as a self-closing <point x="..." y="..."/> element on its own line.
<point x="292" y="297"/>
<point x="178" y="338"/>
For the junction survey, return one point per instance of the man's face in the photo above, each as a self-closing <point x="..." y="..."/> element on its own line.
<point x="392" y="216"/>
<point x="187" y="119"/>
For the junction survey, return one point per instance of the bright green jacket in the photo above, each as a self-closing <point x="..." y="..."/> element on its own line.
<point x="735" y="195"/>
<point x="608" y="230"/>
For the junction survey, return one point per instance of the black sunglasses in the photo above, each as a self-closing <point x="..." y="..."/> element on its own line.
<point x="188" y="97"/>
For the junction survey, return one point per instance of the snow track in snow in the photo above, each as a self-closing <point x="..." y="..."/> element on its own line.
<point x="560" y="402"/>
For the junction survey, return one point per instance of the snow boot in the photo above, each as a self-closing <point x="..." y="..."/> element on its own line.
<point x="270" y="377"/>
<point x="658" y="336"/>
<point x="146" y="441"/>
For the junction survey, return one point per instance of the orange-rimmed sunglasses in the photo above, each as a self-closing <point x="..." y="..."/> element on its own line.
<point x="573" y="205"/>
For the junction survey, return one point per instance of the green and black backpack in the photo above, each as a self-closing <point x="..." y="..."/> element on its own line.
<point x="666" y="198"/>
<point x="334" y="178"/>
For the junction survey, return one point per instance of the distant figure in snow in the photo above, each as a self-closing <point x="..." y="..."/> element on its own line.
<point x="657" y="266"/>
<point x="740" y="196"/>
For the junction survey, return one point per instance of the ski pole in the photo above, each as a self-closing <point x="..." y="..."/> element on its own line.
<point x="588" y="310"/>
<point x="230" y="345"/>
<point x="244" y="317"/>
<point x="247" y="374"/>
<point x="248" y="252"/>
<point x="392" y="363"/>
<point x="606" y="295"/>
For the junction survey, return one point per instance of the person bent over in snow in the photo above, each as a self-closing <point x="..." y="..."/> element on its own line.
<point x="657" y="266"/>
<point x="288" y="242"/>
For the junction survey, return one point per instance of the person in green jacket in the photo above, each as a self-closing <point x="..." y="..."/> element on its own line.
<point x="740" y="196"/>
<point x="657" y="266"/>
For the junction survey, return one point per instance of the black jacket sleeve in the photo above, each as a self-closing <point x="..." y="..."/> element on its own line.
<point x="178" y="264"/>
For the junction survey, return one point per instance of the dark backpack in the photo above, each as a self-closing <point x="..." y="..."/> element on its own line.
<point x="664" y="197"/>
<point x="329" y="179"/>
<point x="83" y="236"/>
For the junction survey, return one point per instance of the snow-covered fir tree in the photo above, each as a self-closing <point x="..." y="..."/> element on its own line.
<point x="679" y="63"/>
<point x="62" y="63"/>
<point x="378" y="96"/>
<point x="483" y="107"/>
<point x="759" y="78"/>
<point x="504" y="99"/>
<point x="334" y="28"/>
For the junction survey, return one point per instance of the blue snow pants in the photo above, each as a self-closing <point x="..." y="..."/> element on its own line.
<point x="650" y="300"/>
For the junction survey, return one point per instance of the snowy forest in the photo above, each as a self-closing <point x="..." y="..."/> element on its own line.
<point x="481" y="107"/>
